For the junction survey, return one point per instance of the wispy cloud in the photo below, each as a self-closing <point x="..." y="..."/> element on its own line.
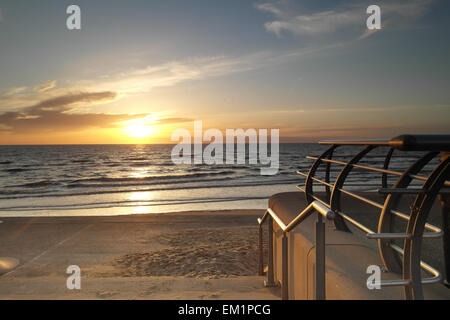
<point x="144" y="79"/>
<point x="171" y="73"/>
<point x="386" y="110"/>
<point x="46" y="108"/>
<point x="46" y="86"/>
<point x="138" y="80"/>
<point x="174" y="72"/>
<point x="394" y="13"/>
<point x="13" y="91"/>
<point x="51" y="106"/>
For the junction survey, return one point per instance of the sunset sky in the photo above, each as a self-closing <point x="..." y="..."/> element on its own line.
<point x="138" y="70"/>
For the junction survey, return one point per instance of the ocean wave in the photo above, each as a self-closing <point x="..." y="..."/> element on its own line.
<point x="140" y="164"/>
<point x="128" y="203"/>
<point x="136" y="183"/>
<point x="15" y="170"/>
<point x="117" y="164"/>
<point x="77" y="174"/>
<point x="158" y="178"/>
<point x="44" y="183"/>
<point x="175" y="187"/>
<point x="135" y="159"/>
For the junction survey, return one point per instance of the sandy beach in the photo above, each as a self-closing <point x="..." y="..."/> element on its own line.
<point x="180" y="255"/>
<point x="189" y="255"/>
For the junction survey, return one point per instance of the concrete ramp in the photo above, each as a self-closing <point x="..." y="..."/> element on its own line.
<point x="347" y="257"/>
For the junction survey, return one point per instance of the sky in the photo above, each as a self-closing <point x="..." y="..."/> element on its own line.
<point x="138" y="70"/>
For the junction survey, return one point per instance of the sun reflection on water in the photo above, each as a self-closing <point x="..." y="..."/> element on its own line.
<point x="140" y="196"/>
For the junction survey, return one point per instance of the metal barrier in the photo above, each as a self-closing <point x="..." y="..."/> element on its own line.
<point x="406" y="260"/>
<point x="320" y="246"/>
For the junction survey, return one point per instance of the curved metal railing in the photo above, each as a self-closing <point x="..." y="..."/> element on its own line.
<point x="406" y="260"/>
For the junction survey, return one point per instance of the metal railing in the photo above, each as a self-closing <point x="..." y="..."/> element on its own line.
<point x="315" y="206"/>
<point x="405" y="261"/>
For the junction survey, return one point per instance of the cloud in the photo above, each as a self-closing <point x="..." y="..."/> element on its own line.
<point x="173" y="120"/>
<point x="166" y="74"/>
<point x="22" y="106"/>
<point x="45" y="86"/>
<point x="364" y="110"/>
<point x="394" y="13"/>
<point x="1" y="16"/>
<point x="65" y="102"/>
<point x="141" y="80"/>
<point x="135" y="81"/>
<point x="316" y="133"/>
<point x="55" y="115"/>
<point x="16" y="99"/>
<point x="147" y="78"/>
<point x="367" y="33"/>
<point x="13" y="91"/>
<point x="171" y="73"/>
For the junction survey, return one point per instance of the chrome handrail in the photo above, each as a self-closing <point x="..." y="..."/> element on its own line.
<point x="315" y="206"/>
<point x="425" y="196"/>
<point x="373" y="235"/>
<point x="395" y="173"/>
<point x="436" y="231"/>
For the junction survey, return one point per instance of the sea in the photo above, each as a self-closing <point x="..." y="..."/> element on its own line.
<point x="93" y="180"/>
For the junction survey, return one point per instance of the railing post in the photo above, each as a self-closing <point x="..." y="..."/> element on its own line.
<point x="445" y="216"/>
<point x="320" y="258"/>
<point x="284" y="262"/>
<point x="261" y="251"/>
<point x="270" y="278"/>
<point x="445" y="203"/>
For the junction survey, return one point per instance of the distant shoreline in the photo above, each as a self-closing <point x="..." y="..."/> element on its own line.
<point x="118" y="144"/>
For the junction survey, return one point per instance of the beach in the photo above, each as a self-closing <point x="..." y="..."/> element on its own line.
<point x="205" y="254"/>
<point x="189" y="255"/>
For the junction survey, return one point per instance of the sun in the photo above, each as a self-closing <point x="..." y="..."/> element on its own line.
<point x="139" y="130"/>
